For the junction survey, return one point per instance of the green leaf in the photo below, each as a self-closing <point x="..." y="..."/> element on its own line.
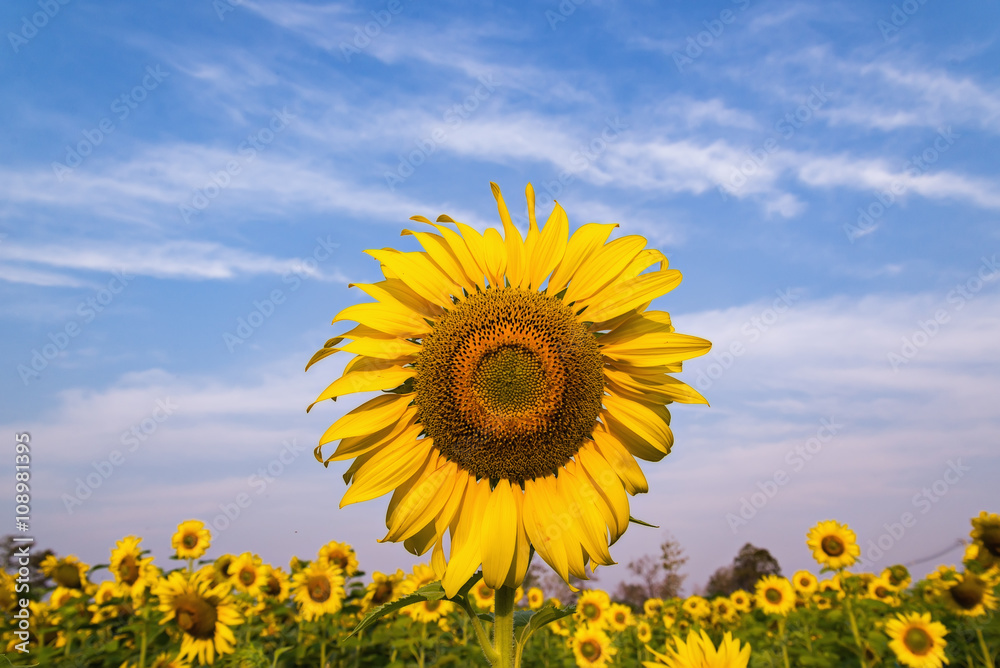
<point x="486" y="617"/>
<point x="538" y="619"/>
<point x="645" y="524"/>
<point x="431" y="592"/>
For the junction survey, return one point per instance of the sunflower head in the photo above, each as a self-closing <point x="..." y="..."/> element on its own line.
<point x="203" y="613"/>
<point x="191" y="540"/>
<point x="68" y="572"/>
<point x="917" y="640"/>
<point x="834" y="545"/>
<point x="652" y="607"/>
<point x="536" y="598"/>
<point x="897" y="576"/>
<point x="775" y="595"/>
<point x="523" y="375"/>
<point x="592" y="607"/>
<point x="697" y="607"/>
<point x="805" y="583"/>
<point x="342" y="555"/>
<point x="699" y="650"/>
<point x="619" y="617"/>
<point x="592" y="647"/>
<point x="247" y="573"/>
<point x="318" y="590"/>
<point x="970" y="594"/>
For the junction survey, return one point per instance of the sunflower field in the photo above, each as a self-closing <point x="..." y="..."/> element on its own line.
<point x="235" y="610"/>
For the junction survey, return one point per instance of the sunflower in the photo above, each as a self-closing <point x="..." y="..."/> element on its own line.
<point x="318" y="589"/>
<point x="916" y="640"/>
<point x="592" y="647"/>
<point x="879" y="589"/>
<point x="341" y="554"/>
<point x="897" y="576"/>
<point x="741" y="600"/>
<point x="536" y="598"/>
<point x="203" y="612"/>
<point x="109" y="602"/>
<point x="483" y="595"/>
<point x="246" y="573"/>
<point x="652" y="606"/>
<point x="723" y="610"/>
<point x="421" y="575"/>
<point x="969" y="594"/>
<point x="697" y="607"/>
<point x="774" y="595"/>
<point x="700" y="652"/>
<point x="191" y="540"/>
<point x="524" y="378"/>
<point x="805" y="583"/>
<point x="619" y="617"/>
<point x="833" y="544"/>
<point x="384" y="589"/>
<point x="68" y="572"/>
<point x="669" y="619"/>
<point x="822" y="601"/>
<point x="274" y="583"/>
<point x="643" y="632"/>
<point x="130" y="568"/>
<point x="592" y="607"/>
<point x="831" y="588"/>
<point x="429" y="612"/>
<point x="222" y="568"/>
<point x="986" y="537"/>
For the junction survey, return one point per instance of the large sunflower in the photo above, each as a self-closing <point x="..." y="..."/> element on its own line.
<point x="775" y="595"/>
<point x="204" y="612"/>
<point x="318" y="590"/>
<point x="524" y="377"/>
<point x="916" y="640"/>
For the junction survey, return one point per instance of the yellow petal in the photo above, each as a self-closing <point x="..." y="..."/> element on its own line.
<point x="466" y="553"/>
<point x="496" y="257"/>
<point x="533" y="231"/>
<point x="568" y="529"/>
<point x="542" y="530"/>
<point x="387" y="469"/>
<point x="621" y="460"/>
<point x="582" y="501"/>
<point x="659" y="389"/>
<point x="522" y="550"/>
<point x="438" y="562"/>
<point x="366" y="376"/>
<point x="355" y="446"/>
<point x="383" y="347"/>
<point x="516" y="261"/>
<point x="550" y="248"/>
<point x="390" y="318"/>
<point x="584" y="242"/>
<point x="499" y="534"/>
<point x="604" y="479"/>
<point x="394" y="290"/>
<point x="420" y="273"/>
<point x="442" y="255"/>
<point x="421" y="503"/>
<point x="604" y="266"/>
<point x="657" y="349"/>
<point x="474" y="274"/>
<point x="640" y="428"/>
<point x="476" y="244"/>
<point x="370" y="416"/>
<point x="632" y="293"/>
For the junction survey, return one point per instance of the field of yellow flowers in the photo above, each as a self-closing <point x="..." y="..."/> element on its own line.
<point x="235" y="610"/>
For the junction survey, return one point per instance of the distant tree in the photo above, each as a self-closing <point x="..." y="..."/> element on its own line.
<point x="751" y="564"/>
<point x="658" y="578"/>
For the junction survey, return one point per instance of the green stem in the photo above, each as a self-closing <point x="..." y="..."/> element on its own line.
<point x="484" y="640"/>
<point x="142" y="643"/>
<point x="854" y="631"/>
<point x="784" y="641"/>
<point x="503" y="627"/>
<point x="987" y="656"/>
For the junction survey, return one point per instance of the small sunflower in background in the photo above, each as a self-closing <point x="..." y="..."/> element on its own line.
<point x="384" y="588"/>
<point x="68" y="572"/>
<point x="536" y="598"/>
<point x="805" y="584"/>
<point x="592" y="647"/>
<point x="897" y="576"/>
<point x="741" y="600"/>
<point x="879" y="589"/>
<point x="523" y="376"/>
<point x="775" y="595"/>
<point x="130" y="568"/>
<point x="247" y="573"/>
<point x="697" y="607"/>
<point x="834" y="545"/>
<point x="204" y="614"/>
<point x="652" y="607"/>
<point x="969" y="594"/>
<point x="917" y="640"/>
<point x="318" y="589"/>
<point x="191" y="540"/>
<point x="698" y="651"/>
<point x="619" y="617"/>
<point x="342" y="555"/>
<point x="986" y="537"/>
<point x="643" y="632"/>
<point x="723" y="610"/>
<point x="274" y="583"/>
<point x="483" y="595"/>
<point x="429" y="612"/>
<point x="592" y="607"/>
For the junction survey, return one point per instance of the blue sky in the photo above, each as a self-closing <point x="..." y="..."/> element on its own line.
<point x="823" y="175"/>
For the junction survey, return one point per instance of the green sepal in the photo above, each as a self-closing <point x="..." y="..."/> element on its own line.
<point x="645" y="524"/>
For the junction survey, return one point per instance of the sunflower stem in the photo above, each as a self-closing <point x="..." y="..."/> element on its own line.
<point x="503" y="627"/>
<point x="784" y="641"/>
<point x="854" y="631"/>
<point x="987" y="656"/>
<point x="142" y="642"/>
<point x="484" y="640"/>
